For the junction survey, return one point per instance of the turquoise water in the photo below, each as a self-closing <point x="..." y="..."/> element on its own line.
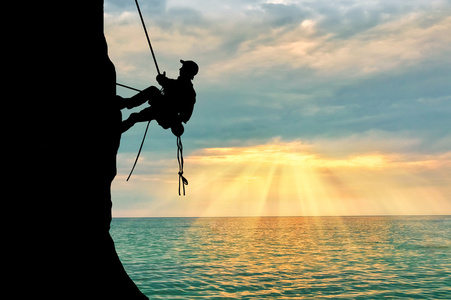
<point x="287" y="257"/>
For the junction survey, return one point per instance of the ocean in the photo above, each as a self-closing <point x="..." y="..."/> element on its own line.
<point x="405" y="257"/>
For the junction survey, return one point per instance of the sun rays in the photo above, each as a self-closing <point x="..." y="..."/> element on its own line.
<point x="291" y="178"/>
<point x="287" y="178"/>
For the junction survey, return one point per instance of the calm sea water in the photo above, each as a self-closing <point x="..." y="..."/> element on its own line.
<point x="287" y="257"/>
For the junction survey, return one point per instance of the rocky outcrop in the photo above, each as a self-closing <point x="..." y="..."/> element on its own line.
<point x="64" y="140"/>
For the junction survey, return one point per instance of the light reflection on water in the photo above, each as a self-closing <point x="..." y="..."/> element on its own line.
<point x="287" y="257"/>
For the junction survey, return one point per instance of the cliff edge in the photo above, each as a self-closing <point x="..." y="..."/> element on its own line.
<point x="63" y="139"/>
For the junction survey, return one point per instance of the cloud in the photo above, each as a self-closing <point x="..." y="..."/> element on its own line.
<point x="382" y="48"/>
<point x="303" y="74"/>
<point x="255" y="38"/>
<point x="385" y="47"/>
<point x="151" y="7"/>
<point x="299" y="154"/>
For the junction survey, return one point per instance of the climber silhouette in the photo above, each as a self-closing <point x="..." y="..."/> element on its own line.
<point x="170" y="106"/>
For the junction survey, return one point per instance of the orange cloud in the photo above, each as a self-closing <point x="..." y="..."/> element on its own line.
<point x="298" y="154"/>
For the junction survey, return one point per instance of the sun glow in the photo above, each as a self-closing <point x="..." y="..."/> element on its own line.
<point x="287" y="178"/>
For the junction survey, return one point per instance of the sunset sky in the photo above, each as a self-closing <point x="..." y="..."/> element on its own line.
<point x="303" y="107"/>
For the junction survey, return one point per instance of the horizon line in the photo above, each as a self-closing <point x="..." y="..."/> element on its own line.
<point x="306" y="216"/>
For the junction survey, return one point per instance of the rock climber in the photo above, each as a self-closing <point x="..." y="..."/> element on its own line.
<point x="170" y="106"/>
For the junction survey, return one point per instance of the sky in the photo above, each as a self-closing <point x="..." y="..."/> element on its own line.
<point x="304" y="108"/>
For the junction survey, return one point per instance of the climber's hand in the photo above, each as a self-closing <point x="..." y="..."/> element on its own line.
<point x="161" y="77"/>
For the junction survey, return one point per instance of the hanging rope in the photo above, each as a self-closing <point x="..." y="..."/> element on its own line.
<point x="182" y="180"/>
<point x="139" y="151"/>
<point x="158" y="70"/>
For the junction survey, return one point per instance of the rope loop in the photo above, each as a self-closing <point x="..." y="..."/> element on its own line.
<point x="182" y="180"/>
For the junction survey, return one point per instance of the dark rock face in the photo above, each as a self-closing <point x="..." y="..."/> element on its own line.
<point x="66" y="133"/>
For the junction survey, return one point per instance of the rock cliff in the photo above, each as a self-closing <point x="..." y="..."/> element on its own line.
<point x="64" y="142"/>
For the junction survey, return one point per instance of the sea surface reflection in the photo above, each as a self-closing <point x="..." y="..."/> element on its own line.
<point x="287" y="257"/>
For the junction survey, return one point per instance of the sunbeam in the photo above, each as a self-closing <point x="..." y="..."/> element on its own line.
<point x="287" y="178"/>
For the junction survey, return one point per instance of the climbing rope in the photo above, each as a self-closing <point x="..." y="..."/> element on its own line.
<point x="147" y="36"/>
<point x="128" y="87"/>
<point x="139" y="151"/>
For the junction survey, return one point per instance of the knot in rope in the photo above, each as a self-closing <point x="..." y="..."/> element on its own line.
<point x="182" y="180"/>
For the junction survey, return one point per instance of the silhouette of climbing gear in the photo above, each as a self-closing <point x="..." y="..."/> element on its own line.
<point x="170" y="113"/>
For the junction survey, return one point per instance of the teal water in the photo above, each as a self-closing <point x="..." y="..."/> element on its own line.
<point x="287" y="257"/>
